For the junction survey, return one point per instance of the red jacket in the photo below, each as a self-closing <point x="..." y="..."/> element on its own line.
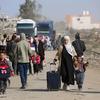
<point x="4" y="65"/>
<point x="36" y="59"/>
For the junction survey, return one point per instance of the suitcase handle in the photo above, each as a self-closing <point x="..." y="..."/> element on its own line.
<point x="52" y="63"/>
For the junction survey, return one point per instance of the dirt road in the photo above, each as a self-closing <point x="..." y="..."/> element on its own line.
<point x="37" y="90"/>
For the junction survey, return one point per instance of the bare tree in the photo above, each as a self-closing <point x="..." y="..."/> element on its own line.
<point x="30" y="9"/>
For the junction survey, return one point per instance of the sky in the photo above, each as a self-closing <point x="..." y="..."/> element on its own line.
<point x="55" y="9"/>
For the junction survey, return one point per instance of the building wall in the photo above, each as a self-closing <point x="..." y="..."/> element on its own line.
<point x="69" y="21"/>
<point x="95" y="26"/>
<point x="81" y="22"/>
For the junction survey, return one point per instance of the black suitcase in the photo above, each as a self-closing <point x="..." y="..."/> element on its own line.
<point x="53" y="80"/>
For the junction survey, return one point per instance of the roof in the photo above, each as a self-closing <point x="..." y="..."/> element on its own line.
<point x="26" y="21"/>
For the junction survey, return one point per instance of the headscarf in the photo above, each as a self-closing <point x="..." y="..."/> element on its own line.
<point x="77" y="36"/>
<point x="22" y="36"/>
<point x="68" y="46"/>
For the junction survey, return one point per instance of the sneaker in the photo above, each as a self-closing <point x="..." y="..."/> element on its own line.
<point x="23" y="87"/>
<point x="3" y="91"/>
<point x="68" y="88"/>
<point x="79" y="87"/>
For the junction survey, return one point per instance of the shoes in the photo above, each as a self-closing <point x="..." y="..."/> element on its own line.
<point x="68" y="88"/>
<point x="2" y="91"/>
<point x="23" y="87"/>
<point x="80" y="87"/>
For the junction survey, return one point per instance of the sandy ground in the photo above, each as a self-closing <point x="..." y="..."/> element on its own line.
<point x="37" y="87"/>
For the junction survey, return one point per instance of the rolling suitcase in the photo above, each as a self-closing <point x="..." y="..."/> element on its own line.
<point x="53" y="80"/>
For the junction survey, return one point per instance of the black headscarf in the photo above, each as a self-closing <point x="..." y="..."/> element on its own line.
<point x="77" y="36"/>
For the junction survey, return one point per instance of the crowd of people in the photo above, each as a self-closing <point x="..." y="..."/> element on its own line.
<point x="19" y="50"/>
<point x="23" y="53"/>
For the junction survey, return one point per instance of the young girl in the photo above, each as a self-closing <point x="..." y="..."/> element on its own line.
<point x="5" y="71"/>
<point x="80" y="68"/>
<point x="36" y="63"/>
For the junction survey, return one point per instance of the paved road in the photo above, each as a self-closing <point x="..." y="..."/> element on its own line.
<point x="37" y="90"/>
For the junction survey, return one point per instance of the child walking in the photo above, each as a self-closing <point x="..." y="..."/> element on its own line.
<point x="36" y="63"/>
<point x="5" y="72"/>
<point x="80" y="68"/>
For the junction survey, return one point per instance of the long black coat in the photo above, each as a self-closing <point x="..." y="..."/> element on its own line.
<point x="79" y="46"/>
<point x="40" y="50"/>
<point x="67" y="69"/>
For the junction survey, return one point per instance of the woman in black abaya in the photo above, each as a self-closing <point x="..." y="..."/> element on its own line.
<point x="65" y="54"/>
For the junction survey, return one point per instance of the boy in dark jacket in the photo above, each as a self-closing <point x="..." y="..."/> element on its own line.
<point x="79" y="45"/>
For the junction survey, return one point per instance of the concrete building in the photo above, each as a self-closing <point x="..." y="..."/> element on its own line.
<point x="79" y="22"/>
<point x="8" y="24"/>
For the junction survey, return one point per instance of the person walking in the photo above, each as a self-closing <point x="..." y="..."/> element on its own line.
<point x="6" y="71"/>
<point x="39" y="49"/>
<point x="80" y="68"/>
<point x="64" y="55"/>
<point x="23" y="54"/>
<point x="36" y="63"/>
<point x="79" y="45"/>
<point x="11" y="47"/>
<point x="4" y="41"/>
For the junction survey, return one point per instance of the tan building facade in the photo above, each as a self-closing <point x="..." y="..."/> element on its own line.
<point x="79" y="22"/>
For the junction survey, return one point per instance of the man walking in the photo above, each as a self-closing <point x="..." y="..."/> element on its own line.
<point x="79" y="45"/>
<point x="23" y="54"/>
